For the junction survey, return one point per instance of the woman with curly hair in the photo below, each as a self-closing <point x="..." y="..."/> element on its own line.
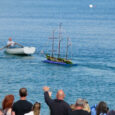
<point x="101" y="108"/>
<point x="7" y="104"/>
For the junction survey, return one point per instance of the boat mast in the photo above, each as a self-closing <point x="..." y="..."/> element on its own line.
<point x="59" y="39"/>
<point x="52" y="42"/>
<point x="67" y="48"/>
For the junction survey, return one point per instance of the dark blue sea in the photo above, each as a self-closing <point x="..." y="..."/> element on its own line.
<point x="92" y="34"/>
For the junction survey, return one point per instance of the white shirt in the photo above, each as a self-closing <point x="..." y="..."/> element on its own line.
<point x="8" y="111"/>
<point x="11" y="43"/>
<point x="30" y="113"/>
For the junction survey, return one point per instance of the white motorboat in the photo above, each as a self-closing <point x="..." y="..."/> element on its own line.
<point x="21" y="51"/>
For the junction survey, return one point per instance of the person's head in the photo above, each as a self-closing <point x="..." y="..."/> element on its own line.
<point x="60" y="95"/>
<point x="8" y="101"/>
<point x="112" y="112"/>
<point x="10" y="39"/>
<point x="101" y="108"/>
<point x="23" y="92"/>
<point x="36" y="108"/>
<point x="79" y="103"/>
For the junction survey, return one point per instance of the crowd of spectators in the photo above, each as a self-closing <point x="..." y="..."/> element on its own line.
<point x="57" y="106"/>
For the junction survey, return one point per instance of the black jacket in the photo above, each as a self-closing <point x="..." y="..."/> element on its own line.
<point x="57" y="107"/>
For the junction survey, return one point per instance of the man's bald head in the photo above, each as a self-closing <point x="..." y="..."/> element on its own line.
<point x="60" y="94"/>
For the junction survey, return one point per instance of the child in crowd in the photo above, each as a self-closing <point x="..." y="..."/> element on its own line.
<point x="35" y="110"/>
<point x="100" y="109"/>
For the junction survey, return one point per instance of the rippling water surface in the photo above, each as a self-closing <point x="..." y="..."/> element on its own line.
<point x="92" y="32"/>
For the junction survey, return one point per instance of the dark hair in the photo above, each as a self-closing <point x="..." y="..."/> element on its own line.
<point x="8" y="101"/>
<point x="101" y="108"/>
<point x="36" y="108"/>
<point x="23" y="92"/>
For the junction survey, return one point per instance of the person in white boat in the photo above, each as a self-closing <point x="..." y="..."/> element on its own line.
<point x="11" y="44"/>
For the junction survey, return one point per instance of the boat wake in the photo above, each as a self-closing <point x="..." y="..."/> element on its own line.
<point x="98" y="66"/>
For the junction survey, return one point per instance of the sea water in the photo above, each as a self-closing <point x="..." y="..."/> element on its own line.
<point x="92" y="34"/>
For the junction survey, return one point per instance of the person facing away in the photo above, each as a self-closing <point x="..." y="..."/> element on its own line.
<point x="7" y="104"/>
<point x="22" y="106"/>
<point x="35" y="110"/>
<point x="57" y="106"/>
<point x="78" y="108"/>
<point x="101" y="108"/>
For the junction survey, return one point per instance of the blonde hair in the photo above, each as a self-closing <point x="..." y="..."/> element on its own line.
<point x="36" y="108"/>
<point x="83" y="103"/>
<point x="87" y="108"/>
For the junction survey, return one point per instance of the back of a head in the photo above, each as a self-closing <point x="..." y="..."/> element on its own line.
<point x="8" y="101"/>
<point x="23" y="92"/>
<point x="36" y="108"/>
<point x="60" y="94"/>
<point x="79" y="103"/>
<point x="101" y="108"/>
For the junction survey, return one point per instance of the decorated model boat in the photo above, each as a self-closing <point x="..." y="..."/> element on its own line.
<point x="58" y="60"/>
